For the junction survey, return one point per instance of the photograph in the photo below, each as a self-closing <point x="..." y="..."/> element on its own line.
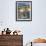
<point x="23" y="10"/>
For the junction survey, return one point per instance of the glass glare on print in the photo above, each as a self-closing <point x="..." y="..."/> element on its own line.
<point x="23" y="10"/>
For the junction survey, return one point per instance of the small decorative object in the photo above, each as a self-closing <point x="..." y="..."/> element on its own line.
<point x="15" y="33"/>
<point x="23" y="10"/>
<point x="8" y="31"/>
<point x="19" y="32"/>
<point x="4" y="32"/>
<point x="29" y="44"/>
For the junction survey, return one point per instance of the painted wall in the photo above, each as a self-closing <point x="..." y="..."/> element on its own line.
<point x="31" y="30"/>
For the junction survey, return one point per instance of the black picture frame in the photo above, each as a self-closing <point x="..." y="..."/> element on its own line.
<point x="23" y="10"/>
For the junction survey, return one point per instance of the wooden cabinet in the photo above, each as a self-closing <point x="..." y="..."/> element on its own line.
<point x="11" y="40"/>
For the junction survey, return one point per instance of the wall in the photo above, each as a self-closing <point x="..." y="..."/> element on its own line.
<point x="31" y="30"/>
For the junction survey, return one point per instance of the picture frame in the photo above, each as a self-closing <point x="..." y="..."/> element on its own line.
<point x="23" y="10"/>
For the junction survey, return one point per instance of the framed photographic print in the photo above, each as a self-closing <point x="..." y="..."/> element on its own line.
<point x="23" y="10"/>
